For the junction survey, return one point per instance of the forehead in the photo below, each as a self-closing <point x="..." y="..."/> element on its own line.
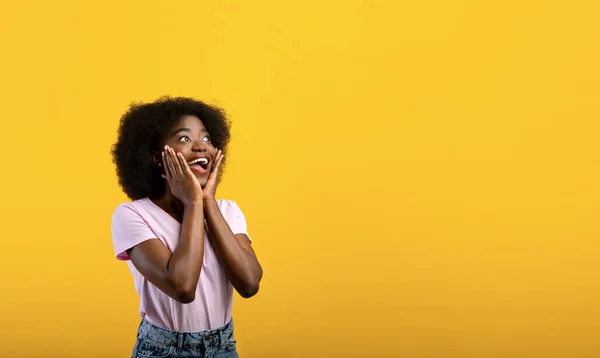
<point x="189" y="121"/>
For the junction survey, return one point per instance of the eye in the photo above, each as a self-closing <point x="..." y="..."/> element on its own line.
<point x="206" y="139"/>
<point x="185" y="139"/>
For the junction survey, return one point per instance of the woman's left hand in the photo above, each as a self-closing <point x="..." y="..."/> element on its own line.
<point x="210" y="188"/>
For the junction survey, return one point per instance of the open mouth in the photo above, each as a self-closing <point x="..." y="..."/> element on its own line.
<point x="200" y="162"/>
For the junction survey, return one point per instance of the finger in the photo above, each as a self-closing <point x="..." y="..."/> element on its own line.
<point x="215" y="170"/>
<point x="176" y="164"/>
<point x="220" y="157"/>
<point x="170" y="162"/>
<point x="184" y="165"/>
<point x="165" y="161"/>
<point x="180" y="162"/>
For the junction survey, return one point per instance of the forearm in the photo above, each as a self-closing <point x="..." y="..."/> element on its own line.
<point x="240" y="265"/>
<point x="186" y="262"/>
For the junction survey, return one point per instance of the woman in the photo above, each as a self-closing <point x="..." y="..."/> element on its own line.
<point x="186" y="250"/>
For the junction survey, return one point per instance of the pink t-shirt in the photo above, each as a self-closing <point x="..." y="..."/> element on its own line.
<point x="140" y="220"/>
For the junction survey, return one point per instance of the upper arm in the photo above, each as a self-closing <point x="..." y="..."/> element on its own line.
<point x="128" y="230"/>
<point x="239" y="227"/>
<point x="151" y="259"/>
<point x="245" y="242"/>
<point x="134" y="240"/>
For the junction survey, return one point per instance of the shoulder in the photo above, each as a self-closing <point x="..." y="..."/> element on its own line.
<point x="226" y="203"/>
<point x="130" y="209"/>
<point x="130" y="226"/>
<point x="231" y="210"/>
<point x="234" y="216"/>
<point x="229" y="206"/>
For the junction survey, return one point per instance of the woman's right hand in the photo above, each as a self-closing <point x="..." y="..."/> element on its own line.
<point x="182" y="181"/>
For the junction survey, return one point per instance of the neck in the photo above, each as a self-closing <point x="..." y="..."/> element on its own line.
<point x="170" y="204"/>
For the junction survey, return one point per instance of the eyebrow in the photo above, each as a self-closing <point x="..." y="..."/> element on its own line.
<point x="187" y="130"/>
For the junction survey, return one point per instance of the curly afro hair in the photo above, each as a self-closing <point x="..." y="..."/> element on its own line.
<point x="140" y="131"/>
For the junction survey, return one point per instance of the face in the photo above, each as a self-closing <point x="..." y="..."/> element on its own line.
<point x="190" y="138"/>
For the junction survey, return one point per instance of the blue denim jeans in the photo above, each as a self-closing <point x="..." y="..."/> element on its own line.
<point x="154" y="341"/>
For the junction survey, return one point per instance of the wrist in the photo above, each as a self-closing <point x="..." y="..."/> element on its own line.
<point x="208" y="200"/>
<point x="198" y="203"/>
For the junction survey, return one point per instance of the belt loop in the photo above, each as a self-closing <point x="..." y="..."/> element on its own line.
<point x="221" y="343"/>
<point x="179" y="340"/>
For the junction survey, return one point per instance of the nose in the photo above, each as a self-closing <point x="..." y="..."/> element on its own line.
<point x="200" y="146"/>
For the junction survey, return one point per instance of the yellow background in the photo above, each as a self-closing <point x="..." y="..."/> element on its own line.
<point x="420" y="177"/>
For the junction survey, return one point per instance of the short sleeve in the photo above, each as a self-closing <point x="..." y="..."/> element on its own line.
<point x="238" y="224"/>
<point x="128" y="230"/>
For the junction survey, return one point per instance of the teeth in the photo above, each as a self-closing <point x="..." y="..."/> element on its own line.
<point x="199" y="160"/>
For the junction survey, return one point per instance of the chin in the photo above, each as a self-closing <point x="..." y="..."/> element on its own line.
<point x="202" y="181"/>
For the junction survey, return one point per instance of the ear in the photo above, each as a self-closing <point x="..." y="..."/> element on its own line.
<point x="156" y="158"/>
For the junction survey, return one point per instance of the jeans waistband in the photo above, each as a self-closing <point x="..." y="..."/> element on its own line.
<point x="167" y="338"/>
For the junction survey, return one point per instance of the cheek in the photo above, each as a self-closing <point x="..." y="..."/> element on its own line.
<point x="179" y="146"/>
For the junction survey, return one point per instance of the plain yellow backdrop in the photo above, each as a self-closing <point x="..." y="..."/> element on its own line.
<point x="420" y="178"/>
